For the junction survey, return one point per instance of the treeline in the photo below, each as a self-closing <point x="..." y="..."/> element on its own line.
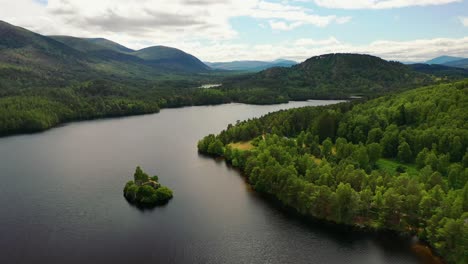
<point x="398" y="162"/>
<point x="32" y="110"/>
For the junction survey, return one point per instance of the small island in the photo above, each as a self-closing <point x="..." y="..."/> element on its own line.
<point x="145" y="190"/>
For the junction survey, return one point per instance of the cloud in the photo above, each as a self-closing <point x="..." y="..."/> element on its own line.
<point x="281" y="25"/>
<point x="156" y="21"/>
<point x="313" y="42"/>
<point x="464" y="21"/>
<point x="203" y="28"/>
<point x="301" y="49"/>
<point x="379" y="4"/>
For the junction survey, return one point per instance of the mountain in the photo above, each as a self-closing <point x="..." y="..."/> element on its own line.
<point x="28" y="59"/>
<point x="91" y="44"/>
<point x="463" y="63"/>
<point x="440" y="70"/>
<point x="159" y="57"/>
<point x="171" y="58"/>
<point x="442" y="60"/>
<point x="251" y="66"/>
<point x="109" y="44"/>
<point x="329" y="76"/>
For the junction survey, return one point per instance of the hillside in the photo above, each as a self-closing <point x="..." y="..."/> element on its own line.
<point x="398" y="162"/>
<point x="250" y="66"/>
<point x="463" y="63"/>
<point x="441" y="71"/>
<point x="28" y="59"/>
<point x="330" y="76"/>
<point x="110" y="44"/>
<point x="159" y="57"/>
<point x="443" y="60"/>
<point x="91" y="44"/>
<point x="171" y="58"/>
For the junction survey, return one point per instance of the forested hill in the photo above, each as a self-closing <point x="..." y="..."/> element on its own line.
<point x="440" y="70"/>
<point x="171" y="58"/>
<point x="463" y="63"/>
<point x="28" y="59"/>
<point x="333" y="76"/>
<point x="398" y="162"/>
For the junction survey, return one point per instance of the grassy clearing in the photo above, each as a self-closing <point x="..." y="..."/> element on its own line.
<point x="242" y="145"/>
<point x="390" y="166"/>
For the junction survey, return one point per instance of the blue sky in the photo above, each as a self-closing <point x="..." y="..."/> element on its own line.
<point x="368" y="25"/>
<point x="224" y="30"/>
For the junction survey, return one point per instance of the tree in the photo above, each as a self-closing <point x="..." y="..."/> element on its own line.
<point x="327" y="146"/>
<point x="327" y="125"/>
<point x="452" y="237"/>
<point x="139" y="176"/>
<point x="360" y="155"/>
<point x="421" y="158"/>
<point x="404" y="152"/>
<point x="346" y="203"/>
<point x="374" y="136"/>
<point x="374" y="151"/>
<point x="163" y="194"/>
<point x="456" y="176"/>
<point x="216" y="148"/>
<point x="389" y="141"/>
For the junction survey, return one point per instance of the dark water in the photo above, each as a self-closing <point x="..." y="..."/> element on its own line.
<point x="61" y="199"/>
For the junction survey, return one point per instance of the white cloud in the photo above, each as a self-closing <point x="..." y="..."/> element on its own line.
<point x="313" y="42"/>
<point x="281" y="25"/>
<point x="301" y="49"/>
<point x="202" y="27"/>
<point x="154" y="21"/>
<point x="464" y="21"/>
<point x="379" y="4"/>
<point x="343" y="20"/>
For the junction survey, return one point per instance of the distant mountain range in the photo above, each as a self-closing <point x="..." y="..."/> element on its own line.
<point x="450" y="61"/>
<point x="443" y="60"/>
<point x="463" y="63"/>
<point x="250" y="66"/>
<point x="30" y="60"/>
<point x="440" y="70"/>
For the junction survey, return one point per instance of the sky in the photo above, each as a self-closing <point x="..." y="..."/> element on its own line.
<point x="228" y="30"/>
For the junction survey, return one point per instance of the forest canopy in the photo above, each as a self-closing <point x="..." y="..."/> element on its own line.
<point x="398" y="162"/>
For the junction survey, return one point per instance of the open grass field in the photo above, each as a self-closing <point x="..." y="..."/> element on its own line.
<point x="391" y="167"/>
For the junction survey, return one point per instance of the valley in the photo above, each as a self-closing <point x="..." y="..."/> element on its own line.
<point x="275" y="147"/>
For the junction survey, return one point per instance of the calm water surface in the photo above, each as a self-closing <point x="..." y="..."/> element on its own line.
<point x="61" y="199"/>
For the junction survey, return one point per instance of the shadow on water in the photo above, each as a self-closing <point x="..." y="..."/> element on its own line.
<point x="145" y="208"/>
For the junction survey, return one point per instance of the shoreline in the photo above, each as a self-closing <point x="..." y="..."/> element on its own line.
<point x="60" y="124"/>
<point x="423" y="250"/>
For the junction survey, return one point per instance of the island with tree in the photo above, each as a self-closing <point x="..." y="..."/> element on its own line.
<point x="145" y="190"/>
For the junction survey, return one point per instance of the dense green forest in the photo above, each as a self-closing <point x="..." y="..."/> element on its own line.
<point x="32" y="110"/>
<point x="398" y="162"/>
